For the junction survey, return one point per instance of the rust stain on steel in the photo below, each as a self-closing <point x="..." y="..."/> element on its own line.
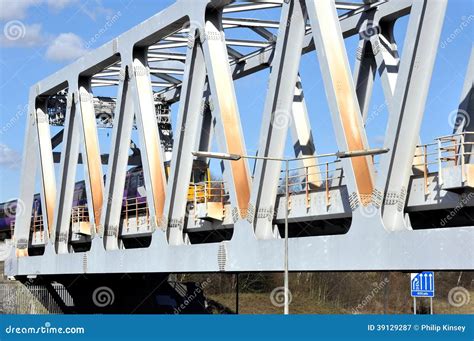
<point x="151" y="139"/>
<point x="46" y="167"/>
<point x="345" y="97"/>
<point x="92" y="153"/>
<point x="21" y="252"/>
<point x="229" y="117"/>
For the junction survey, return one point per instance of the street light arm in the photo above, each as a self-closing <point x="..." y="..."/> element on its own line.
<point x="220" y="156"/>
<point x="364" y="152"/>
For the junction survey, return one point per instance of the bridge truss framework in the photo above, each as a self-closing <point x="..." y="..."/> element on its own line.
<point x="376" y="205"/>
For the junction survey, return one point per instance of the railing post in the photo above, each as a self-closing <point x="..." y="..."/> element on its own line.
<point x="456" y="149"/>
<point x="126" y="213"/>
<point x="136" y="211"/>
<point x="327" y="185"/>
<point x="307" y="188"/>
<point x="440" y="164"/>
<point x="222" y="194"/>
<point x="147" y="214"/>
<point x="34" y="226"/>
<point x="425" y="168"/>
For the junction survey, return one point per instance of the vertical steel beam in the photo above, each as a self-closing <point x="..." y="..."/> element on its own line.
<point x="28" y="179"/>
<point x="68" y="166"/>
<point x="341" y="94"/>
<point x="224" y="103"/>
<point x="118" y="161"/>
<point x="207" y="123"/>
<point x="185" y="142"/>
<point x="406" y="110"/>
<point x="385" y="53"/>
<point x="150" y="147"/>
<point x="277" y="114"/>
<point x="90" y="153"/>
<point x="302" y="136"/>
<point x="364" y="75"/>
<point x="46" y="166"/>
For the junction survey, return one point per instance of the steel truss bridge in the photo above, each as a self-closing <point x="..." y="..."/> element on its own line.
<point x="411" y="208"/>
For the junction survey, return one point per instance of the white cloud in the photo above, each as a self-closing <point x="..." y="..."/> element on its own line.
<point x="16" y="9"/>
<point x="16" y="34"/>
<point x="9" y="157"/>
<point x="59" y="4"/>
<point x="66" y="47"/>
<point x="96" y="10"/>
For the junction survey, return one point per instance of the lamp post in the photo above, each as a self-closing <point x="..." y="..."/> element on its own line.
<point x="236" y="157"/>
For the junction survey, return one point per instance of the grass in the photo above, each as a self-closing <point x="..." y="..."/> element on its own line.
<point x="260" y="303"/>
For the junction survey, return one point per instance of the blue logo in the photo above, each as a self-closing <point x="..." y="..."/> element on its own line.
<point x="422" y="284"/>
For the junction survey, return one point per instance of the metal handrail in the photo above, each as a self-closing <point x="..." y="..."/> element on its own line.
<point x="449" y="148"/>
<point x="79" y="214"/>
<point x="38" y="223"/>
<point x="135" y="208"/>
<point x="209" y="191"/>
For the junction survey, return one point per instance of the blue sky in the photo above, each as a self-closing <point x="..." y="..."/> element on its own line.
<point x="55" y="32"/>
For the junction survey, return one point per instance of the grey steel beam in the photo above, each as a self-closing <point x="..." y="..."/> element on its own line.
<point x="277" y="116"/>
<point x="302" y="136"/>
<point x="57" y="139"/>
<point x="249" y="22"/>
<point x="252" y="6"/>
<point x="342" y="98"/>
<point x="186" y="138"/>
<point x="46" y="167"/>
<point x="407" y="107"/>
<point x="150" y="146"/>
<point x="208" y="126"/>
<point x="234" y="53"/>
<point x="264" y="33"/>
<point x="67" y="175"/>
<point x="117" y="167"/>
<point x="364" y="75"/>
<point x="449" y="249"/>
<point x="229" y="128"/>
<point x="350" y="24"/>
<point x="27" y="185"/>
<point x="90" y="152"/>
<point x="385" y="51"/>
